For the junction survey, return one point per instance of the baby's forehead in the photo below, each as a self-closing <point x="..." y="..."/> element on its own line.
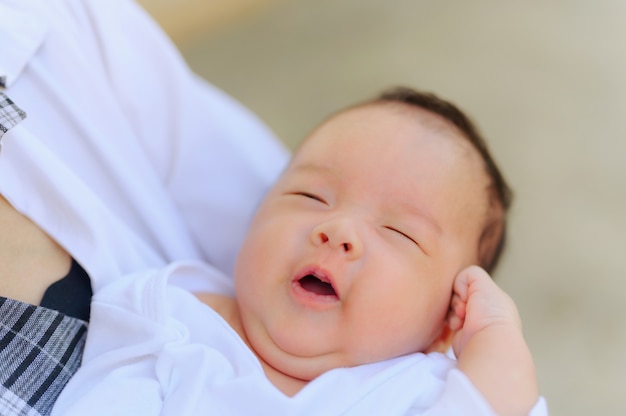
<point x="428" y="120"/>
<point x="428" y="124"/>
<point x="374" y="132"/>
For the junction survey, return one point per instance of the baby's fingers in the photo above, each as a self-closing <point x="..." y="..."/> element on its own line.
<point x="456" y="313"/>
<point x="468" y="278"/>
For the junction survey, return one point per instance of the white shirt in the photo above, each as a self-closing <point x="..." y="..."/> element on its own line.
<point x="155" y="349"/>
<point x="126" y="158"/>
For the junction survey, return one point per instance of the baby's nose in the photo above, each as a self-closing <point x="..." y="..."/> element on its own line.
<point x="339" y="234"/>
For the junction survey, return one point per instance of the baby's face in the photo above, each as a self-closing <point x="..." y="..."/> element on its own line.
<point x="352" y="255"/>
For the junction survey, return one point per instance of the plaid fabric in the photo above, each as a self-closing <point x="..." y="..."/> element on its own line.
<point x="10" y="114"/>
<point x="40" y="350"/>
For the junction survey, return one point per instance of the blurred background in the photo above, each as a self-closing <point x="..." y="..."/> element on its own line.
<point x="545" y="82"/>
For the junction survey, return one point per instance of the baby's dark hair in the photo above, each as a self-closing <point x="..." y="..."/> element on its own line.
<point x="492" y="239"/>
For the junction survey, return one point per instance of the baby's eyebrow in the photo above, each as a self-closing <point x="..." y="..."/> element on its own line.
<point x="316" y="169"/>
<point x="312" y="167"/>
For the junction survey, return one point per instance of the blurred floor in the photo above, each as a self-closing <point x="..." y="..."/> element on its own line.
<point x="545" y="82"/>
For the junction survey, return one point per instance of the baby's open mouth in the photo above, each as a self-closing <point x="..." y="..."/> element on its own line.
<point x="315" y="285"/>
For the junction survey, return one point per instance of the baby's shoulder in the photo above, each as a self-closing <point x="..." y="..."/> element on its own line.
<point x="225" y="306"/>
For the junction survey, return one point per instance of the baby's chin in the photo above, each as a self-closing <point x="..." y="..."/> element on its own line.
<point x="307" y="359"/>
<point x="298" y="365"/>
<point x="308" y="368"/>
<point x="304" y="368"/>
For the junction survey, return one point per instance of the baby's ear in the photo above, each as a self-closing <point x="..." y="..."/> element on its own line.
<point x="443" y="341"/>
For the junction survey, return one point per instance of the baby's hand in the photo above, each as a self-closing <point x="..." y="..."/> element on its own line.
<point x="489" y="343"/>
<point x="478" y="304"/>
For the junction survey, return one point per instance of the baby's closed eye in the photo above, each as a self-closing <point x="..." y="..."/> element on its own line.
<point x="310" y="196"/>
<point x="402" y="234"/>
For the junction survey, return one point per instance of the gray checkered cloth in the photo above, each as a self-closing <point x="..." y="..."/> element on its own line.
<point x="10" y="114"/>
<point x="40" y="350"/>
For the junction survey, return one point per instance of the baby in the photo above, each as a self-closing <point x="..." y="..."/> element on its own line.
<point x="363" y="264"/>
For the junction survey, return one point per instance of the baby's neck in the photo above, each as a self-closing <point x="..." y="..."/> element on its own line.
<point x="226" y="307"/>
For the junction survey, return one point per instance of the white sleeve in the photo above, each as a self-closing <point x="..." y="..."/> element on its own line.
<point x="126" y="157"/>
<point x="461" y="398"/>
<point x="216" y="158"/>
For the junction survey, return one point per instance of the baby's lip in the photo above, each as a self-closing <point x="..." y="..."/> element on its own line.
<point x="317" y="283"/>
